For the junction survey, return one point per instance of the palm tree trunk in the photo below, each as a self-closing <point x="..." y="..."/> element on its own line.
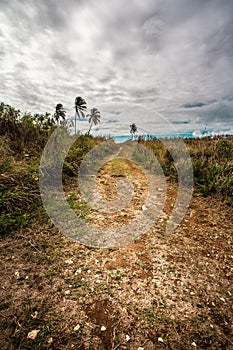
<point x="90" y="128"/>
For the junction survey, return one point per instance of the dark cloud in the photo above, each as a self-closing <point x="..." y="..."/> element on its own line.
<point x="198" y="104"/>
<point x="222" y="112"/>
<point x="175" y="57"/>
<point x="113" y="120"/>
<point x="194" y="105"/>
<point x="177" y="122"/>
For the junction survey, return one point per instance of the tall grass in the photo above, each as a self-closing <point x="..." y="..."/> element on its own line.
<point x="22" y="142"/>
<point x="212" y="161"/>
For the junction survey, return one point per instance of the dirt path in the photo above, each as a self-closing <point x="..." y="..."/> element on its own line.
<point x="161" y="292"/>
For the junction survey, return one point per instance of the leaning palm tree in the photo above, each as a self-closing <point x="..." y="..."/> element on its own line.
<point x="60" y="113"/>
<point x="133" y="129"/>
<point x="80" y="106"/>
<point x="94" y="118"/>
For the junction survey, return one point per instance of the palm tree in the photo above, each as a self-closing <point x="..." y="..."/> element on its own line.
<point x="94" y="118"/>
<point x="133" y="129"/>
<point x="60" y="113"/>
<point x="80" y="106"/>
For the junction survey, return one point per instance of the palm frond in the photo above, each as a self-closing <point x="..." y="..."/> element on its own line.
<point x="82" y="114"/>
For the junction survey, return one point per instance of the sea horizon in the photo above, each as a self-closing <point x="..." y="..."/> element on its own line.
<point x="184" y="135"/>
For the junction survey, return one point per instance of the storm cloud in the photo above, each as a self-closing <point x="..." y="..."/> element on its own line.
<point x="173" y="58"/>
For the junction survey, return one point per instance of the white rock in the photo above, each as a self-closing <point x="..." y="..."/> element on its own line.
<point x="76" y="328"/>
<point x="103" y="328"/>
<point x="127" y="337"/>
<point x="160" y="340"/>
<point x="69" y="261"/>
<point x="35" y="314"/>
<point x="33" y="334"/>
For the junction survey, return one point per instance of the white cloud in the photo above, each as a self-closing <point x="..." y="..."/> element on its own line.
<point x="150" y="54"/>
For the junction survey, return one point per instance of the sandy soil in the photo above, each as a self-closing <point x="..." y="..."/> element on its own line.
<point x="159" y="292"/>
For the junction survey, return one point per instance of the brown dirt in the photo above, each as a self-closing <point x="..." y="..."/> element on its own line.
<point x="161" y="292"/>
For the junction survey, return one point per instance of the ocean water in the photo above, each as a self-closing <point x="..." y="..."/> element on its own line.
<point x="191" y="134"/>
<point x="123" y="138"/>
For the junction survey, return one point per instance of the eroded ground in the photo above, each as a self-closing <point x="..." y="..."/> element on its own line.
<point x="161" y="292"/>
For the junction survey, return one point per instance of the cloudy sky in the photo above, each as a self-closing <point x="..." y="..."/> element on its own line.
<point x="146" y="61"/>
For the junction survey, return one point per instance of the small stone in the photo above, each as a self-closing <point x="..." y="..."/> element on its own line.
<point x="103" y="328"/>
<point x="69" y="261"/>
<point x="50" y="340"/>
<point x="76" y="328"/>
<point x="194" y="344"/>
<point x="127" y="337"/>
<point x="34" y="315"/>
<point x="33" y="334"/>
<point x="222" y="299"/>
<point x="160" y="340"/>
<point x="67" y="292"/>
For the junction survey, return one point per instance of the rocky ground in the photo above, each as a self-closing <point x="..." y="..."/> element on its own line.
<point x="161" y="291"/>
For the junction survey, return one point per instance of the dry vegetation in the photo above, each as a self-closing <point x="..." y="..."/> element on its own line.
<point x="160" y="292"/>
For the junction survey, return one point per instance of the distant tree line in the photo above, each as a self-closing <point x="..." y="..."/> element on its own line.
<point x="47" y="121"/>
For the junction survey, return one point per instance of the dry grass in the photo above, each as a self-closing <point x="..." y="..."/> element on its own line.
<point x="161" y="292"/>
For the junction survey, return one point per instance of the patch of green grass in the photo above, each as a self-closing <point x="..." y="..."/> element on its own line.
<point x="82" y="209"/>
<point x="150" y="314"/>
